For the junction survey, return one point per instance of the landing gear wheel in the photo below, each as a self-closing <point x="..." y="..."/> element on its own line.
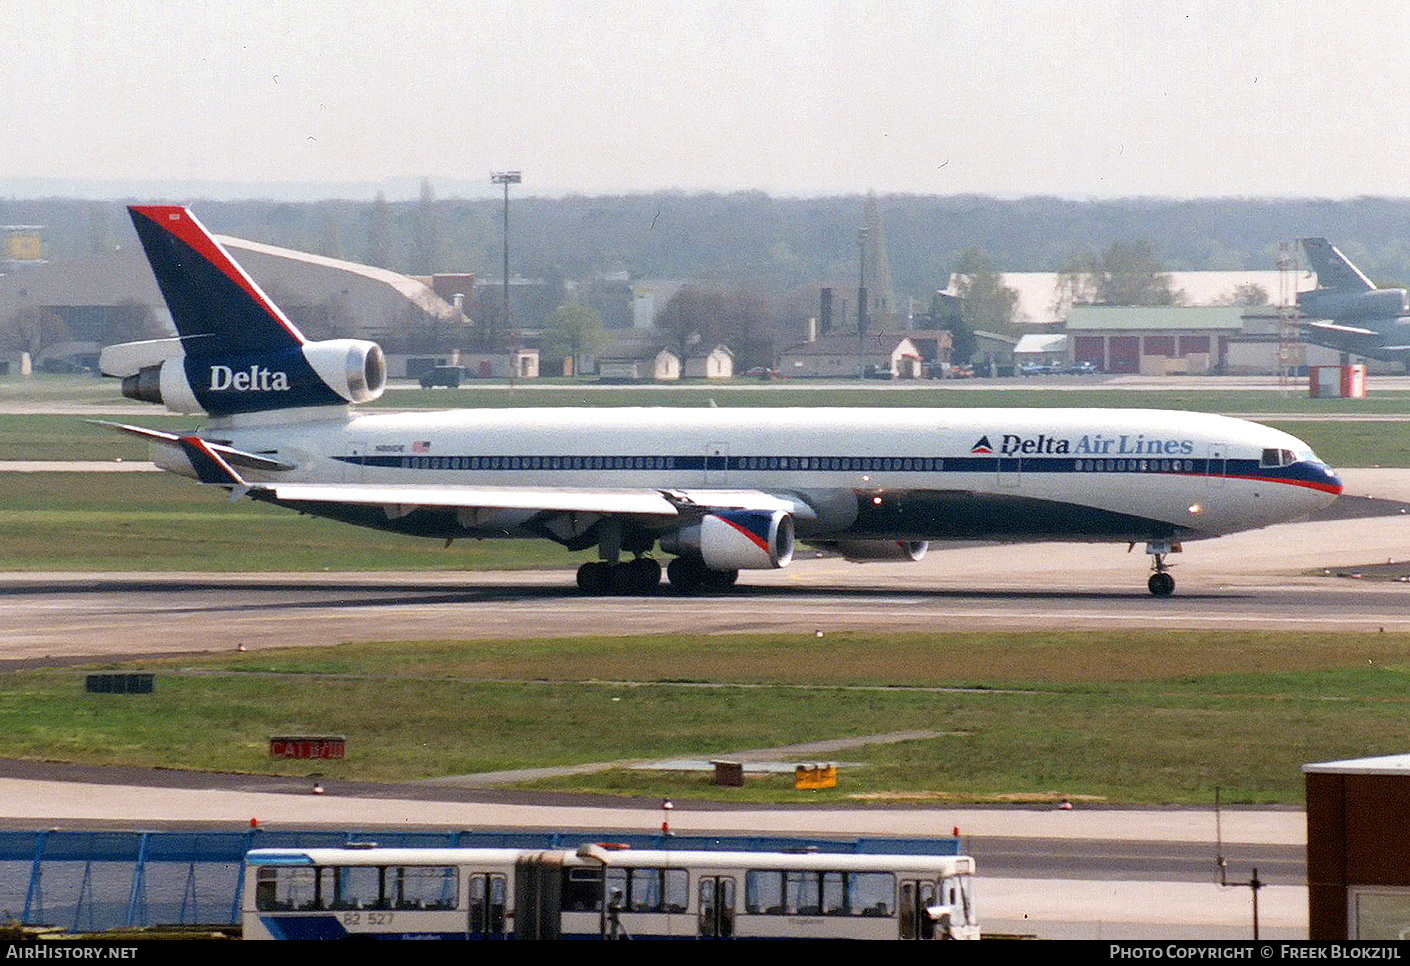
<point x="720" y="579"/>
<point x="1161" y="584"/>
<point x="595" y="577"/>
<point x="640" y="576"/>
<point x="686" y="575"/>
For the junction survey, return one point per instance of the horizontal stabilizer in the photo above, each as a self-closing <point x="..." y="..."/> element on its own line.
<point x="1339" y="329"/>
<point x="231" y="455"/>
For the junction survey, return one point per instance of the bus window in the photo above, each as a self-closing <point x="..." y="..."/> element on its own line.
<point x="800" y="891"/>
<point x="582" y="887"/>
<point x="358" y="887"/>
<point x="658" y="890"/>
<point x="423" y="887"/>
<point x="834" y="894"/>
<point x="285" y="889"/>
<point x="763" y="891"/>
<point x="871" y="893"/>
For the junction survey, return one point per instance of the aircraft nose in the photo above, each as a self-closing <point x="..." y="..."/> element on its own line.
<point x="1327" y="484"/>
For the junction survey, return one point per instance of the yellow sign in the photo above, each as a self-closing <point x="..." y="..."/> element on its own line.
<point x="815" y="776"/>
<point x="23" y="245"/>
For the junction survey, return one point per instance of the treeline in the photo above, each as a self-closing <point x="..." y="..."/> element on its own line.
<point x="755" y="242"/>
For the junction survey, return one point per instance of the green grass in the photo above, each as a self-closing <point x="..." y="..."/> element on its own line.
<point x="41" y="437"/>
<point x="1127" y="718"/>
<point x="151" y="522"/>
<point x="1351" y="443"/>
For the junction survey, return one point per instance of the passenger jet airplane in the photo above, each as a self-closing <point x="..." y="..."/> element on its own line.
<point x="720" y="490"/>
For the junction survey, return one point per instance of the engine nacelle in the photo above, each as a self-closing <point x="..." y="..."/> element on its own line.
<point x="864" y="551"/>
<point x="1382" y="303"/>
<point x="330" y="373"/>
<point x="736" y="540"/>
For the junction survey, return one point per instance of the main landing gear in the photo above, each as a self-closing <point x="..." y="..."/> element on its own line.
<point x="625" y="578"/>
<point x="1161" y="584"/>
<point x="690" y="576"/>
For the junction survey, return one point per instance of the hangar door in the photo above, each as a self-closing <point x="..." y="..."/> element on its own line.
<point x="1124" y="353"/>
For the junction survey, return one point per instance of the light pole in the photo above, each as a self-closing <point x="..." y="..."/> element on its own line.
<point x="505" y="178"/>
<point x="861" y="298"/>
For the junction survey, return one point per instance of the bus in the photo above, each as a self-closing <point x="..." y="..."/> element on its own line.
<point x="441" y="893"/>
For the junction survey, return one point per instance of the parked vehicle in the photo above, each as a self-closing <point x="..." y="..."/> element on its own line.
<point x="448" y="376"/>
<point x="372" y="893"/>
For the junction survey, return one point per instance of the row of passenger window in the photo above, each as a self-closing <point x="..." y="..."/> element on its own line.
<point x="357" y="887"/>
<point x="538" y="462"/>
<point x="839" y="463"/>
<point x="632" y="890"/>
<point x="1135" y="466"/>
<point x="800" y="893"/>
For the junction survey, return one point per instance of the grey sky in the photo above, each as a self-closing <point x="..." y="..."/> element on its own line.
<point x="1081" y="99"/>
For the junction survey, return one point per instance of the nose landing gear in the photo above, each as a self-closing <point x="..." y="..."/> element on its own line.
<point x="1161" y="584"/>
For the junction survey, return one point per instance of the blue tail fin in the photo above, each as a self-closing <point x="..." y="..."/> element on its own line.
<point x="218" y="309"/>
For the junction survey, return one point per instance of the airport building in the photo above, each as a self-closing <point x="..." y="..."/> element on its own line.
<point x="1153" y="340"/>
<point x="843" y="356"/>
<point x="1358" y="848"/>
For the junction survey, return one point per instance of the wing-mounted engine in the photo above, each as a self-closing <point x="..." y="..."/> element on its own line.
<point x="865" y="551"/>
<point x="330" y="373"/>
<point x="736" y="540"/>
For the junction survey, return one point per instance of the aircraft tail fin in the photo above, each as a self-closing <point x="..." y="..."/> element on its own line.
<point x="217" y="308"/>
<point x="1334" y="270"/>
<point x="237" y="352"/>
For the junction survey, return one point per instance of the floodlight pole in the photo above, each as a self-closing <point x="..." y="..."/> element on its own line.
<point x="506" y="178"/>
<point x="861" y="299"/>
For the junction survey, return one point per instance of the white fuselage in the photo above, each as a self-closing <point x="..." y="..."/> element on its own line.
<point x="1091" y="474"/>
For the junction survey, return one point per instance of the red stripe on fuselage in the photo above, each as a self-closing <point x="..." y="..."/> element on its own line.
<point x="1309" y="484"/>
<point x="178" y="221"/>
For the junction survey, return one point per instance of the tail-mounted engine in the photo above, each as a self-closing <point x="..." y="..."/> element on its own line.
<point x="736" y="540"/>
<point x="330" y="373"/>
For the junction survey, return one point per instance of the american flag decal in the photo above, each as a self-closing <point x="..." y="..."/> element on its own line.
<point x="421" y="446"/>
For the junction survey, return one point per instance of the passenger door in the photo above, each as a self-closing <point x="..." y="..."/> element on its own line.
<point x="716" y="913"/>
<point x="716" y="463"/>
<point x="917" y="895"/>
<point x="1216" y="465"/>
<point x="486" y="903"/>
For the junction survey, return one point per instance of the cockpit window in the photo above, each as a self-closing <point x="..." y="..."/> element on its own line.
<point x="1278" y="457"/>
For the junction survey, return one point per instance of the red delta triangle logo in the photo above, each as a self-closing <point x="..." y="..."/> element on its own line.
<point x="983" y="446"/>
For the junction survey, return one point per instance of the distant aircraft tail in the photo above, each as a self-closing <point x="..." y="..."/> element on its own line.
<point x="1334" y="270"/>
<point x="237" y="352"/>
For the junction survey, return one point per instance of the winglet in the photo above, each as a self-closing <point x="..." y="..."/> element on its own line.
<point x="209" y="465"/>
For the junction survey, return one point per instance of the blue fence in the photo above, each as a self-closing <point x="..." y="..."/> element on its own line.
<point x="85" y="881"/>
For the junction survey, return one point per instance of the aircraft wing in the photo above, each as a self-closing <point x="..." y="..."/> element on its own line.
<point x="641" y="501"/>
<point x="409" y="496"/>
